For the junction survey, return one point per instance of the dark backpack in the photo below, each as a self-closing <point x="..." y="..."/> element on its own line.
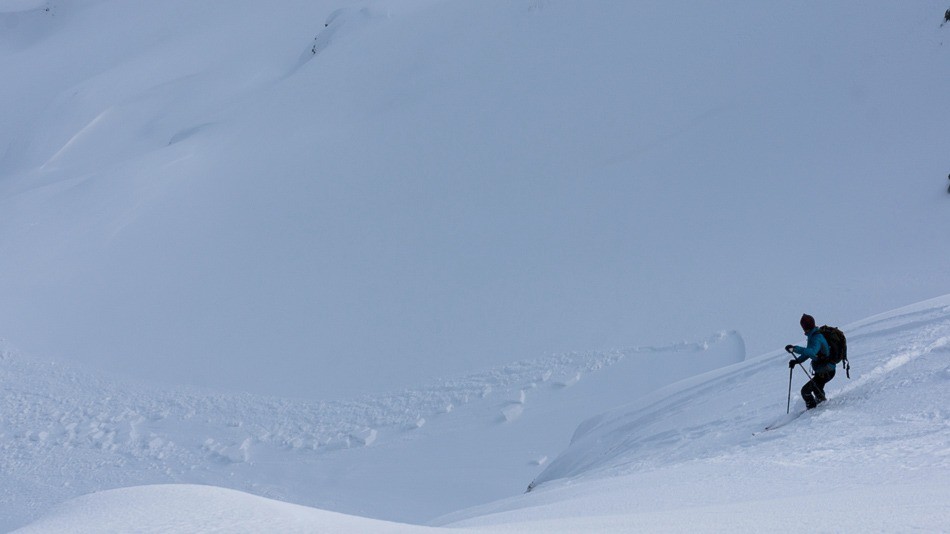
<point x="838" y="346"/>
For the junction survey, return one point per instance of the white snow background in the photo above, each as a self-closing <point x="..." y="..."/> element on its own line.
<point x="243" y="244"/>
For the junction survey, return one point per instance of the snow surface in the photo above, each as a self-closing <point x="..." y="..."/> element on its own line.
<point x="690" y="456"/>
<point x="182" y="508"/>
<point x="243" y="244"/>
<point x="67" y="433"/>
<point x="875" y="457"/>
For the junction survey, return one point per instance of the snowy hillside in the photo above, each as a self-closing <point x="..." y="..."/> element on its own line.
<point x="316" y="198"/>
<point x="384" y="258"/>
<point x="876" y="457"/>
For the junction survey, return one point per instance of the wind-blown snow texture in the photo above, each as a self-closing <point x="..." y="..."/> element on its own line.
<point x="67" y="433"/>
<point x="322" y="208"/>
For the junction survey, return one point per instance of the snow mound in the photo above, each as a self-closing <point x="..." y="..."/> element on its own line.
<point x="188" y="508"/>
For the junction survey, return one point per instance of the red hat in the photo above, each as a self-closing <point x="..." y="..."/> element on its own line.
<point x="807" y="322"/>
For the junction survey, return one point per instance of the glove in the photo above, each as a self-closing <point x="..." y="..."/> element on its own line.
<point x="788" y="348"/>
<point x="792" y="364"/>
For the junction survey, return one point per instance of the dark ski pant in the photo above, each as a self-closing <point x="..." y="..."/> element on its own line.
<point x="814" y="391"/>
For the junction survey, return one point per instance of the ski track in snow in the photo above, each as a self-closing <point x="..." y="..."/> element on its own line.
<point x="77" y="410"/>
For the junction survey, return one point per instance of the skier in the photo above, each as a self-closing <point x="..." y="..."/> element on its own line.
<point x="814" y="391"/>
<point x="946" y="17"/>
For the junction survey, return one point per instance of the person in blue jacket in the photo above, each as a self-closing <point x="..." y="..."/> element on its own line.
<point x="817" y="351"/>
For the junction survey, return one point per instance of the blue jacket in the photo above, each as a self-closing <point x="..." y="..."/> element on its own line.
<point x="817" y="346"/>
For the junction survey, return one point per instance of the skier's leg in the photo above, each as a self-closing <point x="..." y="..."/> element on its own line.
<point x="808" y="394"/>
<point x="820" y="381"/>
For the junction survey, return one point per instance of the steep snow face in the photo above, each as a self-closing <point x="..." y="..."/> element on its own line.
<point x="698" y="447"/>
<point x="287" y="198"/>
<point x="66" y="433"/>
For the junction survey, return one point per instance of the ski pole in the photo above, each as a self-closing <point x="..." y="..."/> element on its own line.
<point x="805" y="371"/>
<point x="788" y="407"/>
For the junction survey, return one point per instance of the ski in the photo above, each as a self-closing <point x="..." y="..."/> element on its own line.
<point x="785" y="420"/>
<point x="782" y="422"/>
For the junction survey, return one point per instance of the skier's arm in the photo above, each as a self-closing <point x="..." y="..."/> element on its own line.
<point x="807" y="352"/>
<point x="813" y="347"/>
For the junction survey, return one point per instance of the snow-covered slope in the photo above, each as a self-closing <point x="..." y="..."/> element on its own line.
<point x="876" y="457"/>
<point x="899" y="389"/>
<point x="688" y="457"/>
<point x="183" y="508"/>
<point x="453" y="444"/>
<point x="188" y="193"/>
<point x="324" y="200"/>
